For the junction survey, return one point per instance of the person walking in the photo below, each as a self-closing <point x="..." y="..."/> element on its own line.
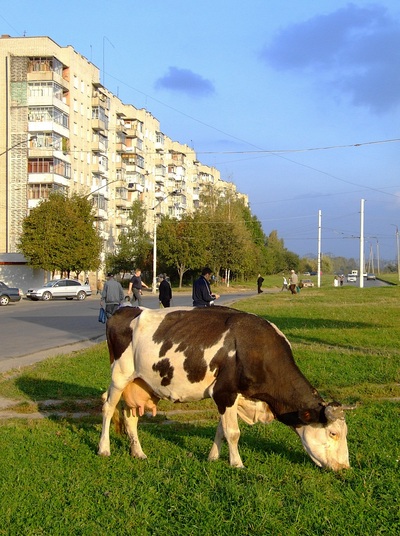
<point x="165" y="292"/>
<point x="260" y="281"/>
<point x="284" y="285"/>
<point x="202" y="295"/>
<point x="294" y="281"/>
<point x="112" y="295"/>
<point x="135" y="287"/>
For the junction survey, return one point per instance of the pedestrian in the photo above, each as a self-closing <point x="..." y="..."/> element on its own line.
<point x="202" y="295"/>
<point x="165" y="292"/>
<point x="336" y="281"/>
<point x="259" y="283"/>
<point x="341" y="279"/>
<point x="112" y="295"/>
<point x="99" y="286"/>
<point x="135" y="287"/>
<point x="294" y="281"/>
<point x="285" y="284"/>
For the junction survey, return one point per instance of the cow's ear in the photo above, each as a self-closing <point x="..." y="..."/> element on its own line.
<point x="308" y="416"/>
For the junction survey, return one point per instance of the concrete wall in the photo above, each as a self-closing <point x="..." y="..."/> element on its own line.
<point x="15" y="272"/>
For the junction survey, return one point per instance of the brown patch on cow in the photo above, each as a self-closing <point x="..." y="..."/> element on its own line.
<point x="119" y="331"/>
<point x="166" y="371"/>
<point x="192" y="332"/>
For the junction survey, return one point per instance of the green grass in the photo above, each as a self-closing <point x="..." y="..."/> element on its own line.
<point x="346" y="342"/>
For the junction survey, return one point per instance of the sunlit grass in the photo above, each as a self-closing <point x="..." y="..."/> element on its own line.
<point x="345" y="340"/>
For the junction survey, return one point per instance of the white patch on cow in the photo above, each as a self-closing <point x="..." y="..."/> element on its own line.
<point x="326" y="444"/>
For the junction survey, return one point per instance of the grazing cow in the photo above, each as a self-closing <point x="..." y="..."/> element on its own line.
<point x="187" y="354"/>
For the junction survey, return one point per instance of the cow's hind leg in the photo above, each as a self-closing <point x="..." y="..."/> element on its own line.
<point x="131" y="427"/>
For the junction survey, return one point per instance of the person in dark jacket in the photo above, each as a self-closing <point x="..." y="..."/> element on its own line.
<point x="202" y="295"/>
<point x="165" y="292"/>
<point x="135" y="287"/>
<point x="260" y="281"/>
<point x="112" y="295"/>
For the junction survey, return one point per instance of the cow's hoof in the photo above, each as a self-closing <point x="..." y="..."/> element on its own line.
<point x="104" y="453"/>
<point x="139" y="456"/>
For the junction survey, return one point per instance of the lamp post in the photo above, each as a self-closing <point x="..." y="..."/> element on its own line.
<point x="398" y="249"/>
<point x="17" y="144"/>
<point x="154" y="285"/>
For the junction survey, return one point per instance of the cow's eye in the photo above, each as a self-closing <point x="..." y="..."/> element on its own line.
<point x="333" y="435"/>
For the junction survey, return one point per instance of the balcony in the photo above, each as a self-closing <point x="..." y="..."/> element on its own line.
<point x="48" y="178"/>
<point x="121" y="148"/>
<point x="134" y="186"/>
<point x="99" y="168"/>
<point x="98" y="124"/>
<point x="48" y="126"/>
<point x="160" y="194"/>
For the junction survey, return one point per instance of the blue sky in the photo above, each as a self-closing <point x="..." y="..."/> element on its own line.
<point x="295" y="101"/>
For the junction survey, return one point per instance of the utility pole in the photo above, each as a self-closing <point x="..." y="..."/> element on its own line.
<point x="398" y="249"/>
<point x="154" y="285"/>
<point x="362" y="243"/>
<point x="319" y="249"/>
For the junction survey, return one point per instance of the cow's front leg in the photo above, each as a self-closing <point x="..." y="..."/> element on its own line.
<point x="230" y="426"/>
<point x="216" y="448"/>
<point x="131" y="427"/>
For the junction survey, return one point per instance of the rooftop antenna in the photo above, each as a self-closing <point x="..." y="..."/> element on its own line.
<point x="104" y="42"/>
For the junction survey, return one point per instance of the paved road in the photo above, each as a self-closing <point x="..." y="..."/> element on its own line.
<point x="34" y="330"/>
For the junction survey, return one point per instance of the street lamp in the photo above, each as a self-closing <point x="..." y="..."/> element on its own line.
<point x="398" y="249"/>
<point x="154" y="285"/>
<point x="17" y="144"/>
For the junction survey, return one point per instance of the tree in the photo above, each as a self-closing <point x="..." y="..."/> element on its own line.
<point x="278" y="258"/>
<point x="59" y="234"/>
<point x="182" y="243"/>
<point x="134" y="248"/>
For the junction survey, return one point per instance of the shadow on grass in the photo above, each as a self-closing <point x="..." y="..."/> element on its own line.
<point x="195" y="440"/>
<point x="41" y="389"/>
<point x="288" y="323"/>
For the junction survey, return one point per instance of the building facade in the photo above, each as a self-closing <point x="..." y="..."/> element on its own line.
<point x="62" y="130"/>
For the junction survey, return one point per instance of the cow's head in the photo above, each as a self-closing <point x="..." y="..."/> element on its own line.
<point x="326" y="442"/>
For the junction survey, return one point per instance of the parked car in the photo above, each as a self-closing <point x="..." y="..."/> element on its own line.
<point x="306" y="283"/>
<point x="60" y="288"/>
<point x="351" y="278"/>
<point x="9" y="294"/>
<point x="313" y="273"/>
<point x="371" y="277"/>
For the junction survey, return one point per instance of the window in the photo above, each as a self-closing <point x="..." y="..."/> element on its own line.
<point x="45" y="64"/>
<point x="45" y="89"/>
<point x="49" y="165"/>
<point x="39" y="114"/>
<point x="160" y="138"/>
<point x="42" y="191"/>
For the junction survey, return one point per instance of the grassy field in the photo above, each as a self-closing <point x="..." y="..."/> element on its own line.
<point x="345" y="340"/>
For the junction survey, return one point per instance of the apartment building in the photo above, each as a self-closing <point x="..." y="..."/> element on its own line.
<point x="62" y="130"/>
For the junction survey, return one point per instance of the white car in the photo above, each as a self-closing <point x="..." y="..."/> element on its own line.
<point x="60" y="288"/>
<point x="351" y="278"/>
